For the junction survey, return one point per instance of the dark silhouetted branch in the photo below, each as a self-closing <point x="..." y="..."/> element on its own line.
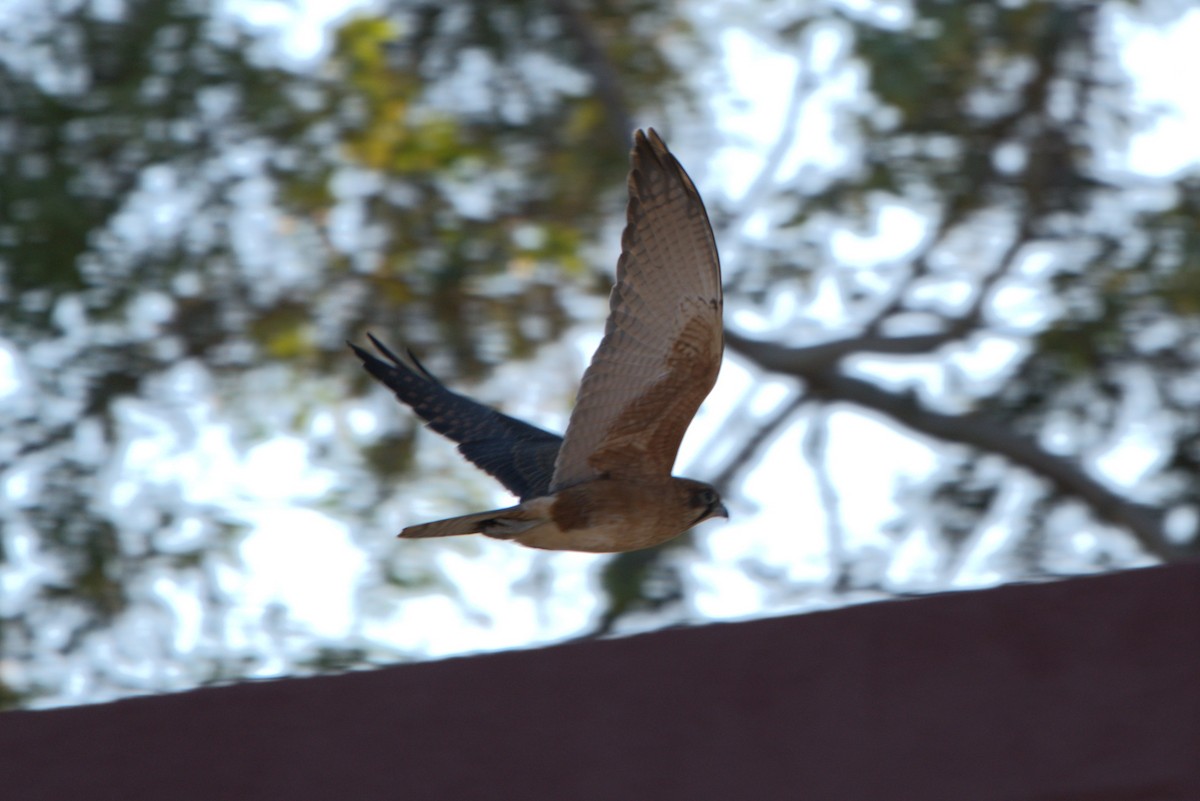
<point x="826" y="382"/>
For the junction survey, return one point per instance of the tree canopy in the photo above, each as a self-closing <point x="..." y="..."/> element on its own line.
<point x="934" y="234"/>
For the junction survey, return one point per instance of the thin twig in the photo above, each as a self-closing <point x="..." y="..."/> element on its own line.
<point x="750" y="447"/>
<point x="816" y="451"/>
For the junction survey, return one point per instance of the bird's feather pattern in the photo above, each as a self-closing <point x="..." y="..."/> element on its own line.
<point x="520" y="456"/>
<point x="663" y="341"/>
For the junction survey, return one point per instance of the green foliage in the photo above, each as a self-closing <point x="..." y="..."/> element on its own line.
<point x="188" y="229"/>
<point x="169" y="198"/>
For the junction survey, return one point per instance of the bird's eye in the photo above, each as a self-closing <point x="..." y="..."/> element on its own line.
<point x="707" y="497"/>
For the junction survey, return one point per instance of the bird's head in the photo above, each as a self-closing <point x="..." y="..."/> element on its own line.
<point x="703" y="500"/>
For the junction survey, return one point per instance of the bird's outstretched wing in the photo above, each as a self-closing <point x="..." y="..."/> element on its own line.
<point x="517" y="454"/>
<point x="663" y="342"/>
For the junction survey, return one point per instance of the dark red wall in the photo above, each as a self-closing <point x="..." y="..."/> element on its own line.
<point x="1082" y="689"/>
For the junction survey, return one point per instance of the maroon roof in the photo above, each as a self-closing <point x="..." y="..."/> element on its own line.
<point x="1081" y="689"/>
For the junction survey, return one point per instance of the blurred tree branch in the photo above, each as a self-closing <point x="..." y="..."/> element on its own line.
<point x="987" y="433"/>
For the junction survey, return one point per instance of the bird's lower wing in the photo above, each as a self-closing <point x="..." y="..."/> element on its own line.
<point x="517" y="454"/>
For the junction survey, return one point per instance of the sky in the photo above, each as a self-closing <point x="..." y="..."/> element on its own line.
<point x="776" y="523"/>
<point x="294" y="550"/>
<point x="308" y="562"/>
<point x="763" y="529"/>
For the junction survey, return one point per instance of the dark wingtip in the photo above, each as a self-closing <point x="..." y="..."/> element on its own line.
<point x="379" y="346"/>
<point x="409" y="365"/>
<point x="648" y="142"/>
<point x="650" y="154"/>
<point x="420" y="368"/>
<point x="387" y="352"/>
<point x="359" y="352"/>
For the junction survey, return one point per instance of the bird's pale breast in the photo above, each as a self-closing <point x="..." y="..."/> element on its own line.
<point x="608" y="515"/>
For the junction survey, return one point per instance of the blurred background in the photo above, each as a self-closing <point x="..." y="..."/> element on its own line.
<point x="961" y="246"/>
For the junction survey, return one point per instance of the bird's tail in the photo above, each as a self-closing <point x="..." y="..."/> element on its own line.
<point x="501" y="523"/>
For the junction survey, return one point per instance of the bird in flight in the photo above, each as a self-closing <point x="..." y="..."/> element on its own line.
<point x="606" y="485"/>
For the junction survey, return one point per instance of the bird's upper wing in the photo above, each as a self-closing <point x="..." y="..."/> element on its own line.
<point x="519" y="455"/>
<point x="662" y="344"/>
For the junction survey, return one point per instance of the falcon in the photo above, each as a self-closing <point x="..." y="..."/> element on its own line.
<point x="606" y="485"/>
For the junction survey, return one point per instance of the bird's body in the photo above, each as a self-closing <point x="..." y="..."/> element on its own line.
<point x="593" y="516"/>
<point x="605" y="486"/>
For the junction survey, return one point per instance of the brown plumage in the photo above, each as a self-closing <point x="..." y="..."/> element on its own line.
<point x="606" y="485"/>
